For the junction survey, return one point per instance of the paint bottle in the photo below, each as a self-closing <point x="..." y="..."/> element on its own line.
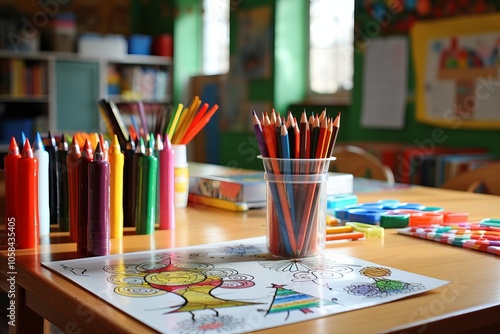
<point x="181" y="176"/>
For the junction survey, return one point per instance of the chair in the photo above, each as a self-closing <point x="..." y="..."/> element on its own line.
<point x="484" y="179"/>
<point x="360" y="163"/>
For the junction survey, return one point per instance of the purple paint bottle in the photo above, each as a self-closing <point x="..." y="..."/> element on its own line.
<point x="98" y="209"/>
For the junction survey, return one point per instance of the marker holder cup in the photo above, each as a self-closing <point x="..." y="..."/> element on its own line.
<point x="181" y="176"/>
<point x="296" y="206"/>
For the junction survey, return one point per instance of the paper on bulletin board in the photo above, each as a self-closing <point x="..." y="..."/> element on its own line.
<point x="385" y="83"/>
<point x="457" y="74"/>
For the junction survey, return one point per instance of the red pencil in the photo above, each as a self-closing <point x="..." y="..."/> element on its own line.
<point x="197" y="118"/>
<point x="296" y="141"/>
<point x="304" y="129"/>
<point x="200" y="125"/>
<point x="320" y="146"/>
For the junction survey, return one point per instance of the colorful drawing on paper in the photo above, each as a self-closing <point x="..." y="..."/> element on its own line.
<point x="457" y="69"/>
<point x="236" y="286"/>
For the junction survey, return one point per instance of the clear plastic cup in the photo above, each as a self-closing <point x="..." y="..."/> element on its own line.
<point x="296" y="206"/>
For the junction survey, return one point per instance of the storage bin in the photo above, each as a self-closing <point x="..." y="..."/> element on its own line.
<point x="140" y="44"/>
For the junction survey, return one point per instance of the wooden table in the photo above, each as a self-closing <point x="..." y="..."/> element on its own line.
<point x="471" y="302"/>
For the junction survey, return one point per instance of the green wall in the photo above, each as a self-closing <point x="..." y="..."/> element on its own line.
<point x="413" y="132"/>
<point x="287" y="82"/>
<point x="289" y="47"/>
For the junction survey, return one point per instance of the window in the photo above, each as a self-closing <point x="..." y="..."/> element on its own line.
<point x="331" y="38"/>
<point x="215" y="37"/>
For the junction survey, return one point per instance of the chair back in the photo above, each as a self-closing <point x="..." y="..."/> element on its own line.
<point x="360" y="163"/>
<point x="484" y="179"/>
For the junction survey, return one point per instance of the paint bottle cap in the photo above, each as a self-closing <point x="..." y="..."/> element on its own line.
<point x="180" y="156"/>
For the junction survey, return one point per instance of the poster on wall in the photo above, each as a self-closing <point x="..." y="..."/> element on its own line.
<point x="457" y="64"/>
<point x="254" y="42"/>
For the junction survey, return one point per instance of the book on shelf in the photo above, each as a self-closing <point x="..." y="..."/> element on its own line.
<point x="144" y="82"/>
<point x="249" y="189"/>
<point x="23" y="78"/>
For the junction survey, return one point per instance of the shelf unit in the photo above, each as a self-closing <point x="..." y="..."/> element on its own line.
<point x="74" y="83"/>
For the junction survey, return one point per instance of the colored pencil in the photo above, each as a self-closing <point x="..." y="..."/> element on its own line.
<point x="174" y="120"/>
<point x="313" y="138"/>
<point x="197" y="127"/>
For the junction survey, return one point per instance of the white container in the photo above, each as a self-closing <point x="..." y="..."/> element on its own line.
<point x="108" y="46"/>
<point x="181" y="176"/>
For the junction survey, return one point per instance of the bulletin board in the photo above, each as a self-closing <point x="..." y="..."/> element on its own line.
<point x="457" y="65"/>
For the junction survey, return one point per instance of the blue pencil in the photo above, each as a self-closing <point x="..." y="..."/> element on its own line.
<point x="272" y="185"/>
<point x="285" y="149"/>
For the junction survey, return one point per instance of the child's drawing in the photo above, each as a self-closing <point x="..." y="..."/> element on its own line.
<point x="236" y="286"/>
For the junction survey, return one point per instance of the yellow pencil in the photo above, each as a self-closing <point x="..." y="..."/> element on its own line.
<point x="175" y="119"/>
<point x="116" y="162"/>
<point x="186" y="125"/>
<point x="183" y="122"/>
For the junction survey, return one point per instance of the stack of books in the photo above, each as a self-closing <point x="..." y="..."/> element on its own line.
<point x="241" y="192"/>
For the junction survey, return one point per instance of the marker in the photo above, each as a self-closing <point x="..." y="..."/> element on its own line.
<point x="42" y="157"/>
<point x="98" y="208"/>
<point x="23" y="137"/>
<point x="104" y="147"/>
<point x="128" y="193"/>
<point x="157" y="150"/>
<point x="72" y="161"/>
<point x="146" y="191"/>
<point x="339" y="229"/>
<point x="166" y="186"/>
<point x="27" y="235"/>
<point x="139" y="151"/>
<point x="62" y="170"/>
<point x="53" y="180"/>
<point x="345" y="236"/>
<point x="10" y="166"/>
<point x="116" y="163"/>
<point x="83" y="202"/>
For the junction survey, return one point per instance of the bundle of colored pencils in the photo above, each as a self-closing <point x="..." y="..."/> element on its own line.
<point x="182" y="126"/>
<point x="187" y="122"/>
<point x="295" y="148"/>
